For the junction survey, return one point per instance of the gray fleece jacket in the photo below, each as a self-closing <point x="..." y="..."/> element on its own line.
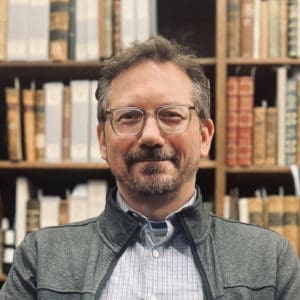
<point x="234" y="260"/>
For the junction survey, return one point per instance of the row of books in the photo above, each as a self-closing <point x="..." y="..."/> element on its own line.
<point x="263" y="28"/>
<point x="280" y="213"/>
<point x="262" y="135"/>
<point x="82" y="30"/>
<point x="53" y="124"/>
<point x="35" y="210"/>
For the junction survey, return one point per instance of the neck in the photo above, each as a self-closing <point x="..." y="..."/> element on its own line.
<point x="157" y="207"/>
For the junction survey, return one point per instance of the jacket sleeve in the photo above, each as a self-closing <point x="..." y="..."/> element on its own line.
<point x="288" y="275"/>
<point x="21" y="280"/>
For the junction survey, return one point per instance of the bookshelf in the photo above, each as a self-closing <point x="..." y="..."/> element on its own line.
<point x="199" y="24"/>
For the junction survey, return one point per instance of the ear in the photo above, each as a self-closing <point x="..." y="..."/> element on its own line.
<point x="101" y="140"/>
<point x="207" y="132"/>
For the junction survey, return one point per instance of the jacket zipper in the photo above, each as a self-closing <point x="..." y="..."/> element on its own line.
<point x="206" y="287"/>
<point x="113" y="264"/>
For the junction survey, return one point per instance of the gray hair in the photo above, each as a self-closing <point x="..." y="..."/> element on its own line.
<point x="157" y="49"/>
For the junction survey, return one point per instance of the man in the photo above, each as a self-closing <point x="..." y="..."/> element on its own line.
<point x="154" y="240"/>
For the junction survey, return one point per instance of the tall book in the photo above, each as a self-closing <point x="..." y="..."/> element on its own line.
<point x="274" y="28"/>
<point x="256" y="211"/>
<point x="32" y="215"/>
<point x="49" y="210"/>
<point x="264" y="28"/>
<point x="40" y="125"/>
<point x="81" y="30"/>
<point x="38" y="31"/>
<point x="109" y="30"/>
<point x="128" y="22"/>
<point x="64" y="211"/>
<point x="92" y="30"/>
<point x="256" y="28"/>
<point x="13" y="119"/>
<point x="72" y="29"/>
<point x="292" y="30"/>
<point x="281" y="79"/>
<point x="80" y="100"/>
<point x="259" y="135"/>
<point x="271" y="136"/>
<point x="28" y="98"/>
<point x="78" y="203"/>
<point x="290" y="220"/>
<point x="59" y="29"/>
<point x="291" y="117"/>
<point x="298" y="124"/>
<point x="232" y="121"/>
<point x="102" y="28"/>
<point x="3" y="28"/>
<point x="117" y="26"/>
<point x="17" y="31"/>
<point x="243" y="210"/>
<point x="274" y="213"/>
<point x="283" y="27"/>
<point x="53" y="121"/>
<point x="233" y="28"/>
<point x="245" y="120"/>
<point x="66" y="125"/>
<point x="143" y="20"/>
<point x="247" y="27"/>
<point x="97" y="190"/>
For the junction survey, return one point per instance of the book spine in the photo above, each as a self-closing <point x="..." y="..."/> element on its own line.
<point x="102" y="28"/>
<point x="283" y="24"/>
<point x="108" y="28"/>
<point x="292" y="28"/>
<point x="233" y="28"/>
<point x="274" y="30"/>
<point x="32" y="215"/>
<point x="256" y="211"/>
<point x="72" y="29"/>
<point x="264" y="28"/>
<point x="116" y="26"/>
<point x="66" y="124"/>
<point x="247" y="27"/>
<point x="40" y="125"/>
<point x="275" y="213"/>
<point x="259" y="135"/>
<point x="271" y="136"/>
<point x="3" y="28"/>
<point x="92" y="30"/>
<point x="59" y="29"/>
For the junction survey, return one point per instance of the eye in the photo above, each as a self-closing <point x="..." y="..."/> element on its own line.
<point x="171" y="115"/>
<point x="128" y="115"/>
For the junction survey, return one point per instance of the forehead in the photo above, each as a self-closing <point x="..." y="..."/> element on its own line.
<point x="151" y="83"/>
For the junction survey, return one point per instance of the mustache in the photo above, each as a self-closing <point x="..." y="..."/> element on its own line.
<point x="150" y="155"/>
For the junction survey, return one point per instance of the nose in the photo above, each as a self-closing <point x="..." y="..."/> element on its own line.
<point x="151" y="135"/>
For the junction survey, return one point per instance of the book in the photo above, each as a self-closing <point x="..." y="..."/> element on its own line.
<point x="13" y="119"/>
<point x="92" y="30"/>
<point x="233" y="204"/>
<point x="109" y="28"/>
<point x="290" y="220"/>
<point x="17" y="32"/>
<point x="232" y="121"/>
<point x="38" y="30"/>
<point x="32" y="215"/>
<point x="3" y="28"/>
<point x="274" y="213"/>
<point x="78" y="203"/>
<point x="143" y="20"/>
<point x="292" y="31"/>
<point x="102" y="27"/>
<point x="29" y="123"/>
<point x="8" y="249"/>
<point x="66" y="124"/>
<point x="72" y="29"/>
<point x="281" y="77"/>
<point x="256" y="211"/>
<point x="39" y="125"/>
<point x="283" y="25"/>
<point x="49" y="210"/>
<point x="243" y="210"/>
<point x="271" y="136"/>
<point x="259" y="135"/>
<point x="128" y="22"/>
<point x="246" y="27"/>
<point x="264" y="28"/>
<point x="291" y="115"/>
<point x="59" y="29"/>
<point x="256" y="28"/>
<point x="274" y="29"/>
<point x="245" y="120"/>
<point x="64" y="211"/>
<point x="80" y="101"/>
<point x="97" y="190"/>
<point x="53" y="121"/>
<point x="81" y="30"/>
<point x="298" y="123"/>
<point x="117" y="26"/>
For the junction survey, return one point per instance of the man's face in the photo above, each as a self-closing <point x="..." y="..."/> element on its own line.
<point x="153" y="162"/>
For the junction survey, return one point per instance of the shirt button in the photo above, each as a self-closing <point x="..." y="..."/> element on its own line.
<point x="155" y="254"/>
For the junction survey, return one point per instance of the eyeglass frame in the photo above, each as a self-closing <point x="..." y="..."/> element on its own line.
<point x="109" y="114"/>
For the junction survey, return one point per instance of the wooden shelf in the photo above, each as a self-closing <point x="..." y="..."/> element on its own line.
<point x="258" y="170"/>
<point x="263" y="61"/>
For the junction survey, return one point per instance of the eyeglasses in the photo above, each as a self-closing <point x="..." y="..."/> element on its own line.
<point x="131" y="120"/>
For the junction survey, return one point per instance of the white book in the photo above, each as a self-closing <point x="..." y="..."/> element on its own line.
<point x="80" y="100"/>
<point x="280" y="102"/>
<point x="143" y="20"/>
<point x="81" y="30"/>
<point x="97" y="190"/>
<point x="298" y="28"/>
<point x="53" y="121"/>
<point x="38" y="32"/>
<point x="256" y="29"/>
<point x="128" y="22"/>
<point x="108" y="19"/>
<point x="243" y="210"/>
<point x="22" y="196"/>
<point x="78" y="203"/>
<point x="17" y="29"/>
<point x="92" y="27"/>
<point x="153" y="17"/>
<point x="49" y="210"/>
